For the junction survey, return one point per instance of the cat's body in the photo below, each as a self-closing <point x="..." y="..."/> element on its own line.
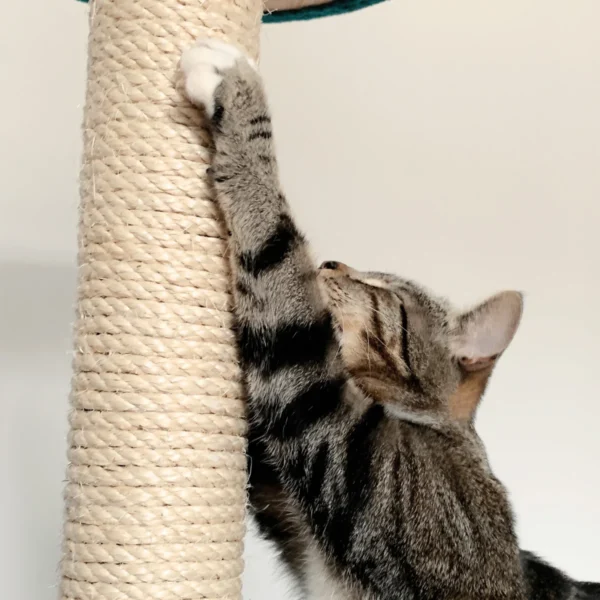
<point x="362" y="387"/>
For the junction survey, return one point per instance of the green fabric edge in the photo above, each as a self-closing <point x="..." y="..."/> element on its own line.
<point x="337" y="7"/>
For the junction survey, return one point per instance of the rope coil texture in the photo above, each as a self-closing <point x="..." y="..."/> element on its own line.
<point x="156" y="486"/>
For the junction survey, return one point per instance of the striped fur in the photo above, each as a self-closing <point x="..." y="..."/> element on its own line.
<point x="365" y="468"/>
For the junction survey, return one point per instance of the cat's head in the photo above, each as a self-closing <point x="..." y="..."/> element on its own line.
<point x="399" y="342"/>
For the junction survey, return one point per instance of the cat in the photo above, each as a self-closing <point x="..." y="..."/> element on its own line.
<point x="362" y="389"/>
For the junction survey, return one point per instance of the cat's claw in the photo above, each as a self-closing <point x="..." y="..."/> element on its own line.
<point x="204" y="66"/>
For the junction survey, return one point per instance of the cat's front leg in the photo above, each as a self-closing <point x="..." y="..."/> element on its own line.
<point x="222" y="80"/>
<point x="275" y="281"/>
<point x="289" y="352"/>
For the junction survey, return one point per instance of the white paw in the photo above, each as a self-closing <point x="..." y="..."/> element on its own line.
<point x="204" y="66"/>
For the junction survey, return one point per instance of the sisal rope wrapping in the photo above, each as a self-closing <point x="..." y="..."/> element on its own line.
<point x="156" y="492"/>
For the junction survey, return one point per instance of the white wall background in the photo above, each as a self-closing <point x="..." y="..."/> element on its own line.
<point x="456" y="143"/>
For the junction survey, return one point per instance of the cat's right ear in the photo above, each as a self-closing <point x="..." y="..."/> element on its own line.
<point x="483" y="333"/>
<point x="480" y="337"/>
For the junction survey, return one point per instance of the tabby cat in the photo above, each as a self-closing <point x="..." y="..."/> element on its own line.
<point x="362" y="388"/>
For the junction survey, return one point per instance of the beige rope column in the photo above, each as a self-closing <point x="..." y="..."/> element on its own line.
<point x="156" y="479"/>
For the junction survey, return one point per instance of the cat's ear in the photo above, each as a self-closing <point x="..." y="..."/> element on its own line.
<point x="483" y="333"/>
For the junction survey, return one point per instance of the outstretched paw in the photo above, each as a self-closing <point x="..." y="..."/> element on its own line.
<point x="205" y="65"/>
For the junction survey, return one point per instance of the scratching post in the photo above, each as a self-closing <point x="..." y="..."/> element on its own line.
<point x="155" y="495"/>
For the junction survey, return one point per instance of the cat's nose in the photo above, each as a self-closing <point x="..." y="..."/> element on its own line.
<point x="335" y="267"/>
<point x="330" y="265"/>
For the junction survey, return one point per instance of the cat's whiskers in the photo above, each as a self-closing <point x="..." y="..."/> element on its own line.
<point x="368" y="349"/>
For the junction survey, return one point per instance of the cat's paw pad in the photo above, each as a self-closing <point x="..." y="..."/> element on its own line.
<point x="204" y="66"/>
